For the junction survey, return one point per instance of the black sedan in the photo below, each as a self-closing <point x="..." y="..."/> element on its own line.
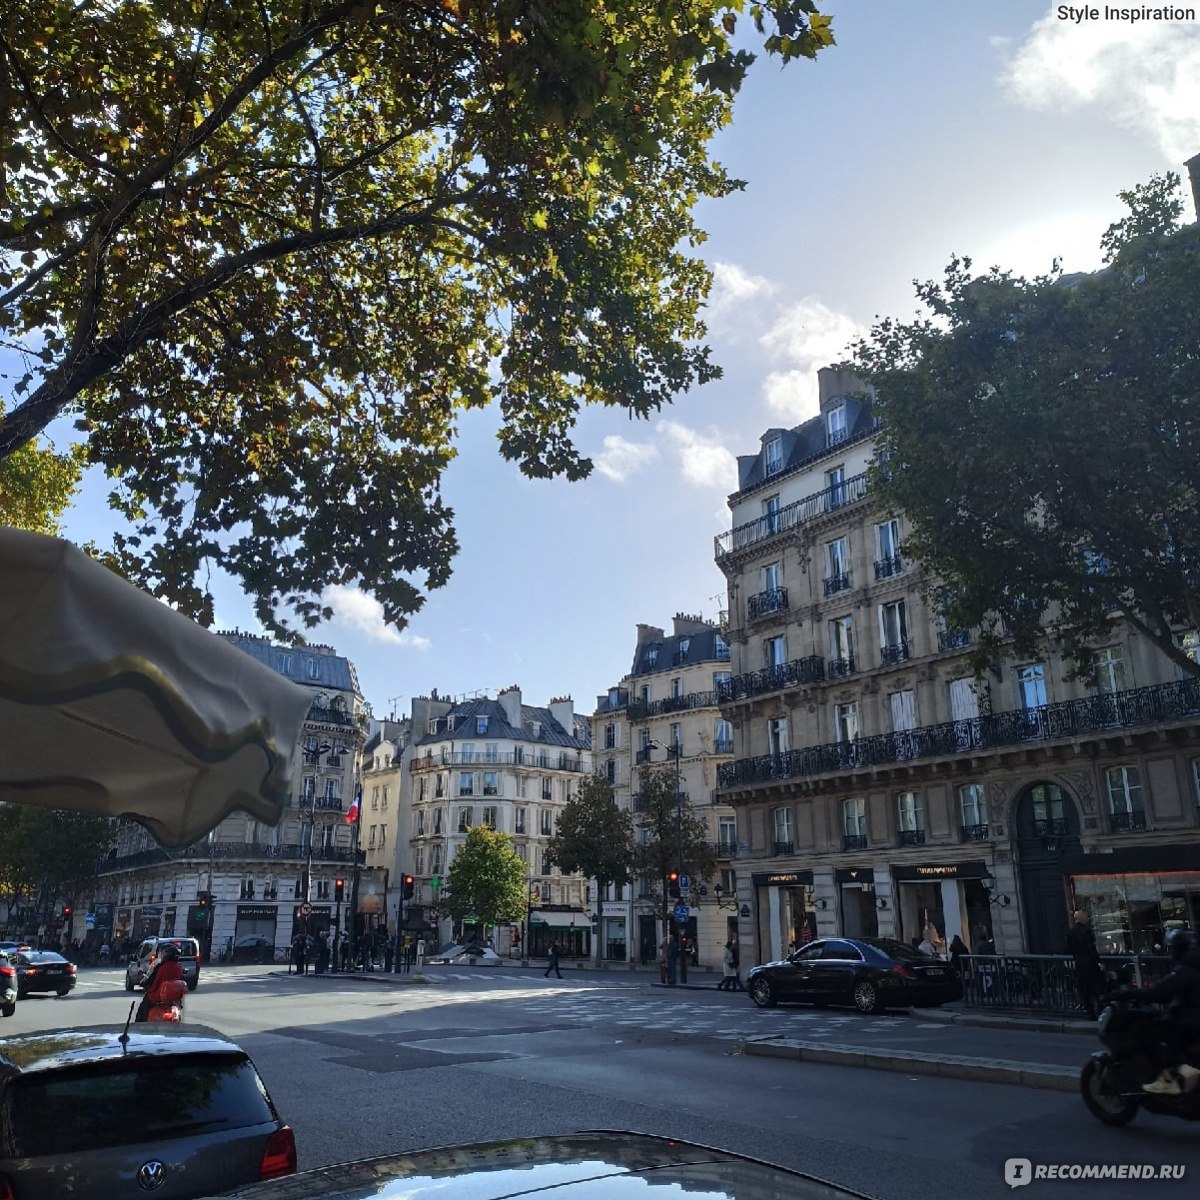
<point x="43" y="971"/>
<point x="870" y="973"/>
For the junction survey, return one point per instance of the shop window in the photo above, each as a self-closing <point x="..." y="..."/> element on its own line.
<point x="1124" y="787"/>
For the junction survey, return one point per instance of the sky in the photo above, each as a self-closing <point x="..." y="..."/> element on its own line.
<point x="933" y="128"/>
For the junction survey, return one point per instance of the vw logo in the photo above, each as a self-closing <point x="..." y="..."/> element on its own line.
<point x="151" y="1175"/>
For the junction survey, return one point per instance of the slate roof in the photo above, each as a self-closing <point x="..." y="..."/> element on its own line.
<point x="553" y="734"/>
<point x="702" y="647"/>
<point x="298" y="663"/>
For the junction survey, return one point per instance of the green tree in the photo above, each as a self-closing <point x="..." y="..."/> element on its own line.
<point x="486" y="879"/>
<point x="678" y="838"/>
<point x="594" y="837"/>
<point x="267" y="252"/>
<point x="1043" y="437"/>
<point x="36" y="485"/>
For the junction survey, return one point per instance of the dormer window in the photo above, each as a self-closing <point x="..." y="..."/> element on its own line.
<point x="651" y="656"/>
<point x="773" y="455"/>
<point x="481" y="724"/>
<point x="683" y="647"/>
<point x="835" y="425"/>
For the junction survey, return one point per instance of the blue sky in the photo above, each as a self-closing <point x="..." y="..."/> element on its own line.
<point x="935" y="127"/>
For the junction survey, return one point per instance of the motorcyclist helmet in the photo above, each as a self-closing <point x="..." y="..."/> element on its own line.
<point x="170" y="952"/>
<point x="1179" y="941"/>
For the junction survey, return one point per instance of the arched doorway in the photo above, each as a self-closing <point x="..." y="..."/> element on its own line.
<point x="1047" y="830"/>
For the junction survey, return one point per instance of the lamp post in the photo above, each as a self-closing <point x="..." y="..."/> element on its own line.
<point x="676" y="749"/>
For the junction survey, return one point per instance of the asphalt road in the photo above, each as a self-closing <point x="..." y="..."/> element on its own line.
<point x="360" y="1068"/>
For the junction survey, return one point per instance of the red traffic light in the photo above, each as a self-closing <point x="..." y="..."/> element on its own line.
<point x="673" y="877"/>
<point x="409" y="884"/>
<point x="66" y="910"/>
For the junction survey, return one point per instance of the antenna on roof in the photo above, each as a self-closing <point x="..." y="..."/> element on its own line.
<point x="392" y="706"/>
<point x="124" y="1038"/>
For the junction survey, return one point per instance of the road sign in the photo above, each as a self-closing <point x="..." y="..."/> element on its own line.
<point x="90" y="920"/>
<point x="435" y="883"/>
<point x="684" y="883"/>
<point x="681" y="914"/>
<point x="305" y="909"/>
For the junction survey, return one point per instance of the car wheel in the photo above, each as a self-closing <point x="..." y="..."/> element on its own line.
<point x="762" y="993"/>
<point x="8" y="1009"/>
<point x="866" y="997"/>
<point x="128" y="982"/>
<point x="193" y="985"/>
<point x="64" y="991"/>
<point x="1103" y="1102"/>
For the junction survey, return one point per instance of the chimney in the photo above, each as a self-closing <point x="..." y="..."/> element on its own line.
<point x="1193" y="166"/>
<point x="834" y="383"/>
<point x="562" y="709"/>
<point x="686" y="624"/>
<point x="510" y="701"/>
<point x="648" y="634"/>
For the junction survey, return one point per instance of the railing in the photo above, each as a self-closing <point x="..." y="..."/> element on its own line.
<point x="773" y="600"/>
<point x="723" y="746"/>
<point x="973" y="833"/>
<point x="894" y="654"/>
<point x="726" y="849"/>
<point x="1069" y="719"/>
<point x="798" y="673"/>
<point x="788" y="517"/>
<point x="885" y="568"/>
<point x="331" y="716"/>
<point x="641" y="710"/>
<point x="254" y="851"/>
<point x="912" y="837"/>
<point x="839" y="667"/>
<point x="836" y="583"/>
<point x="1043" y="983"/>
<point x="953" y="639"/>
<point x="783" y="847"/>
<point x="854" y="841"/>
<point x="1126" y="822"/>
<point x="546" y="762"/>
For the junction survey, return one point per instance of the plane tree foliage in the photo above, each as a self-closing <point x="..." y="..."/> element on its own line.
<point x="265" y="253"/>
<point x="1043" y="437"/>
<point x="486" y="880"/>
<point x="37" y="482"/>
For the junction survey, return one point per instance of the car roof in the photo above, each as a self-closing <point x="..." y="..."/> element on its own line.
<point x="57" y="1049"/>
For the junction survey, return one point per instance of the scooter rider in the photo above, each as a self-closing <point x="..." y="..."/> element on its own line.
<point x="165" y="987"/>
<point x="1180" y="991"/>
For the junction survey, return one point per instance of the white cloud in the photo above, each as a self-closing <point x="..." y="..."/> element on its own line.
<point x="1145" y="77"/>
<point x="365" y="613"/>
<point x="732" y="286"/>
<point x="620" y="458"/>
<point x="807" y="335"/>
<point x="704" y="460"/>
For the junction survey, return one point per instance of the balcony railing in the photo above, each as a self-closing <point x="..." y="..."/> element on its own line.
<point x="643" y="755"/>
<point x="800" y="672"/>
<point x="953" y="639"/>
<point x="885" y="568"/>
<point x="854" y="841"/>
<point x="897" y="653"/>
<point x="726" y="849"/>
<point x="839" y="667"/>
<point x="773" y="600"/>
<point x="973" y="833"/>
<point x="1126" y="822"/>
<point x="250" y="851"/>
<point x="788" y="517"/>
<point x="641" y="710"/>
<point x="1051" y="828"/>
<point x="912" y="837"/>
<point x="1069" y="719"/>
<point x="783" y="847"/>
<point x="836" y="583"/>
<point x="518" y="758"/>
<point x="723" y="746"/>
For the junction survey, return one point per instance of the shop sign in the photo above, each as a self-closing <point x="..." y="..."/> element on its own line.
<point x="783" y="879"/>
<point x="257" y="912"/>
<point x="934" y="871"/>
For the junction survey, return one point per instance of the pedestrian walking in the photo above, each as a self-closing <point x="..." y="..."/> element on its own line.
<point x="958" y="951"/>
<point x="300" y="954"/>
<point x="729" y="979"/>
<point x="345" y="952"/>
<point x="1089" y="975"/>
<point x="389" y="954"/>
<point x="419" y="954"/>
<point x="552" y="959"/>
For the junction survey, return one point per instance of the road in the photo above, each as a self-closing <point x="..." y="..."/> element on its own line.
<point x="362" y="1068"/>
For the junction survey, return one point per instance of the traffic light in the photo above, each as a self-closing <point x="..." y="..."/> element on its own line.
<point x="673" y="884"/>
<point x="339" y="890"/>
<point x="66" y="912"/>
<point x="409" y="884"/>
<point x="204" y="899"/>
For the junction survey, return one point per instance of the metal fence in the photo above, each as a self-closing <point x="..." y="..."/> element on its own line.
<point x="1040" y="983"/>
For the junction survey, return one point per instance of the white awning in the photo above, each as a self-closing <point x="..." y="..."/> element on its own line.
<point x="560" y="920"/>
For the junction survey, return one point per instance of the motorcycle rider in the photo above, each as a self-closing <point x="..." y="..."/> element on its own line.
<point x="165" y="987"/>
<point x="1180" y="991"/>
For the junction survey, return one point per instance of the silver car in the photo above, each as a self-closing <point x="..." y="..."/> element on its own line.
<point x="102" y="1112"/>
<point x="147" y="955"/>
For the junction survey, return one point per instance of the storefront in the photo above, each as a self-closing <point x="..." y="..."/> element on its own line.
<point x="939" y="901"/>
<point x="612" y="928"/>
<point x="787" y="917"/>
<point x="857" y="909"/>
<point x="1134" y="897"/>
<point x="256" y="924"/>
<point x="568" y="927"/>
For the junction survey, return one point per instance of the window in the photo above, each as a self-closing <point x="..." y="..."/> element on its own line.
<point x="835" y="482"/>
<point x="314" y="670"/>
<point x="546" y="869"/>
<point x="481" y="724"/>
<point x="770" y="514"/>
<point x="468" y="752"/>
<point x="845" y="722"/>
<point x="645" y="693"/>
<point x="837" y="565"/>
<point x="719" y="678"/>
<point x="893" y="632"/>
<point x="677" y="737"/>
<point x="308" y="789"/>
<point x="910" y="811"/>
<point x="777" y="735"/>
<point x="421" y="787"/>
<point x="685" y="644"/>
<point x="466" y="818"/>
<point x="1124" y="786"/>
<point x="651" y="656"/>
<point x="547" y="825"/>
<point x="419" y="823"/>
<point x="611" y="770"/>
<point x="841" y="646"/>
<point x="371" y="838"/>
<point x="333" y="793"/>
<point x="491" y="783"/>
<point x="419" y="861"/>
<point x="772" y="577"/>
<point x="835" y="425"/>
<point x="610" y="737"/>
<point x="437" y="821"/>
<point x="887" y="540"/>
<point x="1108" y="670"/>
<point x="382" y="837"/>
<point x="440" y="789"/>
<point x="727" y="834"/>
<point x="546" y="792"/>
<point x="854" y="817"/>
<point x="1031" y="686"/>
<point x="466" y="783"/>
<point x="676" y="688"/>
<point x="972" y="810"/>
<point x="435" y="859"/>
<point x="489" y="816"/>
<point x="782" y="819"/>
<point x="775" y="650"/>
<point x="383" y="800"/>
<point x="773" y="455"/>
<point x="519" y="820"/>
<point x="722" y="736"/>
<point x="374" y="795"/>
<point x="720" y="646"/>
<point x="729" y="880"/>
<point x="492" y="752"/>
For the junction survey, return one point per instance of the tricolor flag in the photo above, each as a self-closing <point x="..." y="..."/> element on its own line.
<point x="352" y="815"/>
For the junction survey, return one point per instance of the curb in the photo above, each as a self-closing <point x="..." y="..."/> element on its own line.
<point x="976" y="1070"/>
<point x="388" y="977"/>
<point x="1025" y="1024"/>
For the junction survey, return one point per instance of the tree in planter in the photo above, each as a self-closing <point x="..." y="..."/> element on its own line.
<point x="486" y="880"/>
<point x="594" y="837"/>
<point x="266" y="254"/>
<point x="1043" y="438"/>
<point x="678" y="838"/>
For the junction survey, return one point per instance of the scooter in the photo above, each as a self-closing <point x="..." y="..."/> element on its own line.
<point x="1113" y="1078"/>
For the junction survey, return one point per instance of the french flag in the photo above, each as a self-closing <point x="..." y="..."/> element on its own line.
<point x="355" y="804"/>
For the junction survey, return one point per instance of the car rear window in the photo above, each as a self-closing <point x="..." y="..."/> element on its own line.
<point x="185" y="946"/>
<point x="898" y="950"/>
<point x="132" y="1100"/>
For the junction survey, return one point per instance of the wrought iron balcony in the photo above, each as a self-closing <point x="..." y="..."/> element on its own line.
<point x="1071" y="719"/>
<point x="1126" y="822"/>
<point x="840" y="666"/>
<point x="912" y="837"/>
<point x="247" y="851"/>
<point x="953" y="639"/>
<point x="1053" y="827"/>
<point x="518" y="758"/>
<point x="726" y="849"/>
<point x="783" y="847"/>
<point x="836" y="583"/>
<point x="897" y="653"/>
<point x="773" y="600"/>
<point x="854" y="841"/>
<point x="642" y="710"/>
<point x="800" y="672"/>
<point x="973" y="833"/>
<point x="885" y="568"/>
<point x="791" y="515"/>
<point x="643" y="755"/>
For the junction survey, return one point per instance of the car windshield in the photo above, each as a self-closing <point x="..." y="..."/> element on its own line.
<point x="129" y="1101"/>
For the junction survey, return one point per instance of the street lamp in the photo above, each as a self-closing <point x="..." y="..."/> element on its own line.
<point x="676" y="749"/>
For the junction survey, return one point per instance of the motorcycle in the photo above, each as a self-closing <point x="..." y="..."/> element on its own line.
<point x="8" y="987"/>
<point x="1113" y="1078"/>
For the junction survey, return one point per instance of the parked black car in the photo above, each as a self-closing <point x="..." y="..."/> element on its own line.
<point x="43" y="971"/>
<point x="870" y="973"/>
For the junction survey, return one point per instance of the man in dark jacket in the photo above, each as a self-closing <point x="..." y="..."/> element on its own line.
<point x="1089" y="977"/>
<point x="1180" y="992"/>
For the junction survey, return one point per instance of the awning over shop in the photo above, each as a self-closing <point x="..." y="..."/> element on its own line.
<point x="560" y="920"/>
